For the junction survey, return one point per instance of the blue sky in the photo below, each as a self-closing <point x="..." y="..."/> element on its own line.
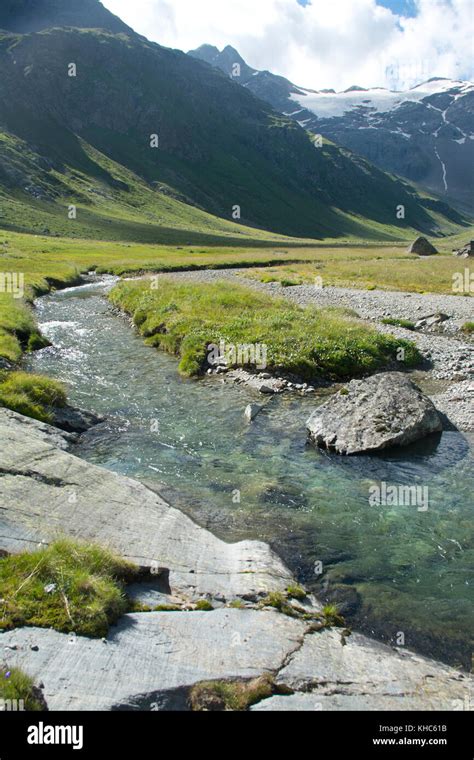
<point x="405" y="8"/>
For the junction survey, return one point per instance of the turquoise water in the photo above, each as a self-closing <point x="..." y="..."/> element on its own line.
<point x="392" y="569"/>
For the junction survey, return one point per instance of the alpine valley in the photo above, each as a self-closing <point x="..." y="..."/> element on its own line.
<point x="236" y="384"/>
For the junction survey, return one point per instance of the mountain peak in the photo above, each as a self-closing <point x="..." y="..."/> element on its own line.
<point x="229" y="50"/>
<point x="25" y="16"/>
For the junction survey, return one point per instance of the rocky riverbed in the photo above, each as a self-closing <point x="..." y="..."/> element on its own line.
<point x="150" y="661"/>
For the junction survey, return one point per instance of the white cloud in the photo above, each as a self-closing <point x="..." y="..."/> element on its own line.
<point x="330" y="43"/>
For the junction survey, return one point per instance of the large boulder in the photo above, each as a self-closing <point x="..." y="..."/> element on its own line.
<point x="422" y="247"/>
<point x="373" y="414"/>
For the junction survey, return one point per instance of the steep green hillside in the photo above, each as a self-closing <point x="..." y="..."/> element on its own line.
<point x="219" y="147"/>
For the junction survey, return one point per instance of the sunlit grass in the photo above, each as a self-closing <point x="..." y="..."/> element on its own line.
<point x="184" y="319"/>
<point x="67" y="586"/>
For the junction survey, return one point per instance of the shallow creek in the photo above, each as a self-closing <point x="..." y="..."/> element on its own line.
<point x="393" y="569"/>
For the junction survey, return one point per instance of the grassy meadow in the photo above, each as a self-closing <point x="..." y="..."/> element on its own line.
<point x="309" y="343"/>
<point x="382" y="268"/>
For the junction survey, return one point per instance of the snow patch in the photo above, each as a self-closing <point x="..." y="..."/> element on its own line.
<point x="379" y="100"/>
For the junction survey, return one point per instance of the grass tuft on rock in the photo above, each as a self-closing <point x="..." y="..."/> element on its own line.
<point x="279" y="601"/>
<point x="32" y="395"/>
<point x="399" y="323"/>
<point x="468" y="328"/>
<point x="331" y="617"/>
<point x="18" y="691"/>
<point x="296" y="592"/>
<point x="230" y="695"/>
<point x="67" y="586"/>
<point x="184" y="319"/>
<point x="203" y="605"/>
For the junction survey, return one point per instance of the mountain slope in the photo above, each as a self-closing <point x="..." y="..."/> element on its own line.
<point x="219" y="146"/>
<point x="34" y="15"/>
<point x="425" y="134"/>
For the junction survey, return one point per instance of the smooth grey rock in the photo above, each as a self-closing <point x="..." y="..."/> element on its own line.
<point x="252" y="411"/>
<point x="315" y="702"/>
<point x="422" y="247"/>
<point x="150" y="660"/>
<point x="46" y="492"/>
<point x="384" y="410"/>
<point x="150" y="653"/>
<point x="152" y="594"/>
<point x="28" y="427"/>
<point x="364" y="669"/>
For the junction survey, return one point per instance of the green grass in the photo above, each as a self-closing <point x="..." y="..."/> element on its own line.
<point x="230" y="695"/>
<point x="468" y="328"/>
<point x="296" y="592"/>
<point x="399" y="323"/>
<point x="67" y="586"/>
<point x="32" y="395"/>
<point x="17" y="687"/>
<point x="332" y="617"/>
<point x="203" y="605"/>
<point x="371" y="268"/>
<point x="184" y="319"/>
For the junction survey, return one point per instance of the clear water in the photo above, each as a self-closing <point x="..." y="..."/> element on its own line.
<point x="392" y="569"/>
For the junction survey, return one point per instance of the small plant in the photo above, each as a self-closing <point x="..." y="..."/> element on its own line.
<point x="344" y="392"/>
<point x="279" y="602"/>
<point x="237" y="604"/>
<point x="230" y="695"/>
<point x="18" y="691"/>
<point x="332" y="617"/>
<point x="203" y="605"/>
<point x="136" y="606"/>
<point x="167" y="608"/>
<point x="296" y="592"/>
<point x="468" y="328"/>
<point x="399" y="323"/>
